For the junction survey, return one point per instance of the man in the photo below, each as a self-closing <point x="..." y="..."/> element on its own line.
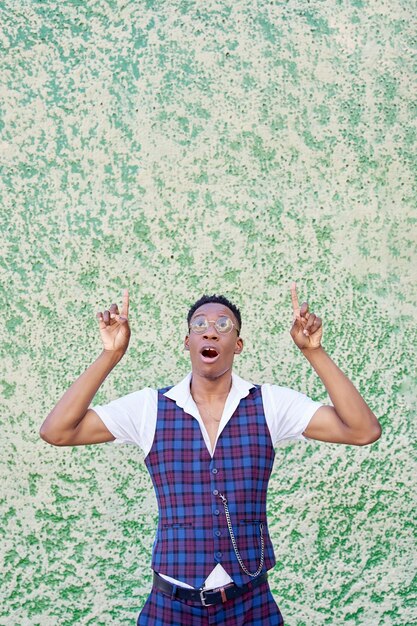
<point x="209" y="447"/>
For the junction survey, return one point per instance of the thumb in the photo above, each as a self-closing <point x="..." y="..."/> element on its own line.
<point x="119" y="318"/>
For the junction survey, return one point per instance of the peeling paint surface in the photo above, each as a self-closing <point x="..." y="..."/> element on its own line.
<point x="179" y="148"/>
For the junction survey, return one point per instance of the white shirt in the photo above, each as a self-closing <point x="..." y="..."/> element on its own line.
<point x="132" y="420"/>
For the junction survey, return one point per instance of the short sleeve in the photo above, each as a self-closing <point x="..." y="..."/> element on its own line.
<point x="131" y="419"/>
<point x="287" y="412"/>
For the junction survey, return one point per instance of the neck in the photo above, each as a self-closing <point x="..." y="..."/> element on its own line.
<point x="208" y="389"/>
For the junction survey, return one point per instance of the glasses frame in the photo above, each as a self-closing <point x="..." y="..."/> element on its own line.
<point x="214" y="323"/>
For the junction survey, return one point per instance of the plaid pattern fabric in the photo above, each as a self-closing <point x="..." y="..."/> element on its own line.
<point x="254" y="608"/>
<point x="192" y="535"/>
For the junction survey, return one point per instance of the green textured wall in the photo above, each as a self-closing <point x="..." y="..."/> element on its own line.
<point x="186" y="147"/>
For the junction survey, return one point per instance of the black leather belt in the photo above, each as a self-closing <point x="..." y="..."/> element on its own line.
<point x="205" y="597"/>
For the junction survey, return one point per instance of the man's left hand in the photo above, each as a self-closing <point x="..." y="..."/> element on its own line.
<point x="307" y="329"/>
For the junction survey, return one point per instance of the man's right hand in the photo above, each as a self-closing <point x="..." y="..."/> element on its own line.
<point x="114" y="326"/>
<point x="71" y="422"/>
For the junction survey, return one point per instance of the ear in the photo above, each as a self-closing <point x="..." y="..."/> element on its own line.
<point x="186" y="342"/>
<point x="239" y="345"/>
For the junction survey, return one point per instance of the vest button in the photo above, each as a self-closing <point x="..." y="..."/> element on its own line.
<point x="217" y="533"/>
<point x="214" y="470"/>
<point x="218" y="555"/>
<point x="216" y="512"/>
<point x="215" y="492"/>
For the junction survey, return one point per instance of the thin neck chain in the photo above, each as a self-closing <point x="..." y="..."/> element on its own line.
<point x="208" y="413"/>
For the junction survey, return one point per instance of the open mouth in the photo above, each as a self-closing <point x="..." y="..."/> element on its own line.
<point x="209" y="354"/>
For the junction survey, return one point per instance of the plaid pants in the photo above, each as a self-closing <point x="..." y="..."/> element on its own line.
<point x="257" y="607"/>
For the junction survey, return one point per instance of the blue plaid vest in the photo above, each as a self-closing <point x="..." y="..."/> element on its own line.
<point x="192" y="534"/>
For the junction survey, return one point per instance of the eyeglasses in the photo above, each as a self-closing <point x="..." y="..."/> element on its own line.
<point x="223" y="325"/>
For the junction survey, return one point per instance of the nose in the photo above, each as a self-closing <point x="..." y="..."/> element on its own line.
<point x="211" y="331"/>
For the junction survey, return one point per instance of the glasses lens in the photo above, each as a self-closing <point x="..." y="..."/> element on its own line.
<point x="224" y="324"/>
<point x="199" y="324"/>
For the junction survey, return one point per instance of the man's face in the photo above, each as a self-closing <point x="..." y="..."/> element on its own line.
<point x="212" y="352"/>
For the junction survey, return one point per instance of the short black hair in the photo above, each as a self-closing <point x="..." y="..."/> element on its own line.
<point x="217" y="299"/>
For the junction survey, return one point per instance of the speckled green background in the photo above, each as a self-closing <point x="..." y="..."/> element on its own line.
<point x="186" y="147"/>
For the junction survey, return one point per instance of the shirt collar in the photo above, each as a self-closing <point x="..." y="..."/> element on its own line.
<point x="181" y="392"/>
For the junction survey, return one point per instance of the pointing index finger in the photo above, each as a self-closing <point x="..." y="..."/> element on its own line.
<point x="294" y="299"/>
<point x="125" y="304"/>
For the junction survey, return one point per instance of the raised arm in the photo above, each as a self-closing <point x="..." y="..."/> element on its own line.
<point x="349" y="420"/>
<point x="71" y="422"/>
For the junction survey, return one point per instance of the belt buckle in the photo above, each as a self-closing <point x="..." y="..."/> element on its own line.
<point x="203" y="599"/>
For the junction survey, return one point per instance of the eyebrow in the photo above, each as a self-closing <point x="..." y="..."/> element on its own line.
<point x="205" y="315"/>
